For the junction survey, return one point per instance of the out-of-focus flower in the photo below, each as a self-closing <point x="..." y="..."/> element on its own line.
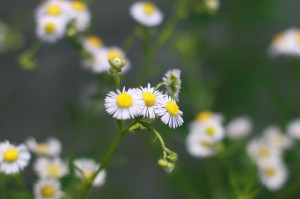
<point x="212" y="5"/>
<point x="146" y="13"/>
<point x="173" y="82"/>
<point x="276" y="138"/>
<point x="50" y="168"/>
<point x="47" y="189"/>
<point x="52" y="147"/>
<point x="206" y="116"/>
<point x="91" y="43"/>
<point x="87" y="169"/>
<point x="80" y="14"/>
<point x="293" y="129"/>
<point x="239" y="128"/>
<point x="200" y="145"/>
<point x="13" y="158"/>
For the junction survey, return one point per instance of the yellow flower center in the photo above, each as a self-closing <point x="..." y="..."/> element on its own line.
<point x="149" y="98"/>
<point x="78" y="5"/>
<point x="298" y="37"/>
<point x="210" y="130"/>
<point x="53" y="170"/>
<point x="264" y="152"/>
<point x="270" y="171"/>
<point x="54" y="10"/>
<point x="10" y="155"/>
<point x="42" y="148"/>
<point x="149" y="8"/>
<point x="172" y="108"/>
<point x="50" y="28"/>
<point x="94" y="41"/>
<point x="48" y="191"/>
<point x="114" y="54"/>
<point x="204" y="116"/>
<point x="124" y="100"/>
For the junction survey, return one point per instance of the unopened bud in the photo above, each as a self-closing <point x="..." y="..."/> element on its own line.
<point x="117" y="63"/>
<point x="166" y="165"/>
<point x="172" y="157"/>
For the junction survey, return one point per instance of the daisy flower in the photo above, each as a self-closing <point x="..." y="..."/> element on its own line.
<point x="276" y="138"/>
<point x="293" y="129"/>
<point x="92" y="43"/>
<point x="54" y="8"/>
<point x="200" y="145"/>
<point x="206" y="116"/>
<point x="50" y="29"/>
<point x="87" y="168"/>
<point x="146" y="13"/>
<point x="173" y="82"/>
<point x="169" y="112"/>
<point x="212" y="130"/>
<point x="239" y="127"/>
<point x="81" y="14"/>
<point x="273" y="174"/>
<point x="151" y="100"/>
<point x="47" y="189"/>
<point x="50" y="168"/>
<point x="124" y="105"/>
<point x="52" y="147"/>
<point x="13" y="158"/>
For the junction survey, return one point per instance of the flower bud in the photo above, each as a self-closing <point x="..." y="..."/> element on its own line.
<point x="166" y="165"/>
<point x="172" y="157"/>
<point x="117" y="63"/>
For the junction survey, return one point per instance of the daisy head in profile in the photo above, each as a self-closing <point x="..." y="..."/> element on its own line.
<point x="124" y="105"/>
<point x="51" y="147"/>
<point x="50" y="29"/>
<point x="173" y="82"/>
<point x="146" y="13"/>
<point x="151" y="99"/>
<point x="48" y="189"/>
<point x="85" y="169"/>
<point x="50" y="168"/>
<point x="13" y="158"/>
<point x="169" y="112"/>
<point x="80" y="14"/>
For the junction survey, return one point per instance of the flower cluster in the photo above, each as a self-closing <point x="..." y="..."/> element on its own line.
<point x="266" y="151"/>
<point x="55" y="17"/>
<point x="147" y="102"/>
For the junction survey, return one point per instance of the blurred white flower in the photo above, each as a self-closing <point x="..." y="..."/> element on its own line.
<point x="276" y="138"/>
<point x="91" y="43"/>
<point x="51" y="167"/>
<point x="51" y="147"/>
<point x="206" y="116"/>
<point x="81" y="15"/>
<point x="239" y="127"/>
<point x="293" y="129"/>
<point x="47" y="189"/>
<point x="199" y="145"/>
<point x="212" y="5"/>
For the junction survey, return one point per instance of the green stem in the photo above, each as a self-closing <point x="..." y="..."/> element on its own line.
<point x="159" y="85"/>
<point x="106" y="159"/>
<point x="117" y="78"/>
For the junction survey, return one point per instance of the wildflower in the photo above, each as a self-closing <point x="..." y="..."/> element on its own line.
<point x="47" y="189"/>
<point x="92" y="43"/>
<point x="169" y="112"/>
<point x="173" y="82"/>
<point x="124" y="104"/>
<point x="212" y="5"/>
<point x="200" y="145"/>
<point x="146" y="13"/>
<point x="293" y="129"/>
<point x="87" y="169"/>
<point x="239" y="127"/>
<point x="13" y="158"/>
<point x="52" y="147"/>
<point x="50" y="29"/>
<point x="206" y="116"/>
<point x="151" y="100"/>
<point x="80" y="14"/>
<point x="54" y="8"/>
<point x="50" y="168"/>
<point x="276" y="138"/>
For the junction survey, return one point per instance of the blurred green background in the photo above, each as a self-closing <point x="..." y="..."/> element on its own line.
<point x="225" y="68"/>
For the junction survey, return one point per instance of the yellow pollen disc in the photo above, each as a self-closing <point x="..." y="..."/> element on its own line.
<point x="78" y="5"/>
<point x="114" y="54"/>
<point x="54" y="10"/>
<point x="210" y="130"/>
<point x="270" y="171"/>
<point x="149" y="8"/>
<point x="48" y="191"/>
<point x="149" y="98"/>
<point x="172" y="108"/>
<point x="204" y="116"/>
<point x="264" y="152"/>
<point x="10" y="155"/>
<point x="50" y="28"/>
<point x="42" y="148"/>
<point x="124" y="100"/>
<point x="53" y="170"/>
<point x="94" y="41"/>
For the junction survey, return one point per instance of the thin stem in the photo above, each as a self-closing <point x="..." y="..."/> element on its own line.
<point x="117" y="78"/>
<point x="159" y="85"/>
<point x="106" y="159"/>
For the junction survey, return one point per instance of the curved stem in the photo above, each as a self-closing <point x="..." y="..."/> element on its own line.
<point x="158" y="86"/>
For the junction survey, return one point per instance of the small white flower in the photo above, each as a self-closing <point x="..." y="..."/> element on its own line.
<point x="50" y="29"/>
<point x="206" y="116"/>
<point x="173" y="82"/>
<point x="146" y="13"/>
<point x="54" y="8"/>
<point x="47" y="189"/>
<point x="276" y="138"/>
<point x="212" y="130"/>
<point x="293" y="129"/>
<point x="91" y="43"/>
<point x="239" y="127"/>
<point x="200" y="145"/>
<point x="50" y="168"/>
<point x="286" y="43"/>
<point x="81" y="14"/>
<point x="13" y="158"/>
<point x="169" y="112"/>
<point x="273" y="174"/>
<point x="124" y="104"/>
<point x="212" y="5"/>
<point x="151" y="100"/>
<point x="87" y="168"/>
<point x="52" y="147"/>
